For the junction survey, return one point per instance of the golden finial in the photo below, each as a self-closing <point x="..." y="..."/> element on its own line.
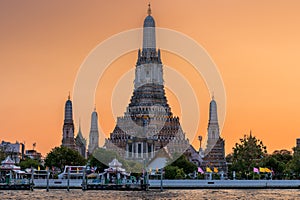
<point x="95" y="108"/>
<point x="69" y="97"/>
<point x="149" y="9"/>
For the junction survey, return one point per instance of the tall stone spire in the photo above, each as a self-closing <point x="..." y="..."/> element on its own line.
<point x="213" y="124"/>
<point x="68" y="127"/>
<point x="215" y="146"/>
<point x="149" y="41"/>
<point x="94" y="133"/>
<point x="148" y="66"/>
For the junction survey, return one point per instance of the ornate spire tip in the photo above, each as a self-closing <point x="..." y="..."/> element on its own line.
<point x="149" y="9"/>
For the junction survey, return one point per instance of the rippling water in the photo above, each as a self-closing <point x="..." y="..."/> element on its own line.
<point x="153" y="194"/>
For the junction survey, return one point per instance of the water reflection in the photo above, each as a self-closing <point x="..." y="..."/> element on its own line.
<point x="153" y="194"/>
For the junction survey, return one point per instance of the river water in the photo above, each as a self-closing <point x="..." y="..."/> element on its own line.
<point x="153" y="194"/>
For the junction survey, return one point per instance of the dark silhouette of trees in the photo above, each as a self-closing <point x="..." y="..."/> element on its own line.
<point x="28" y="163"/>
<point x="246" y="155"/>
<point x="278" y="162"/>
<point x="61" y="156"/>
<point x="179" y="168"/>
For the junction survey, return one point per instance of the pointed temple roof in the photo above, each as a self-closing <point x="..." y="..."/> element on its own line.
<point x="149" y="41"/>
<point x="213" y="114"/>
<point x="79" y="136"/>
<point x="68" y="110"/>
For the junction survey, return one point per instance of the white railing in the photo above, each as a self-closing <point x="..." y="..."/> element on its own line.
<point x="57" y="182"/>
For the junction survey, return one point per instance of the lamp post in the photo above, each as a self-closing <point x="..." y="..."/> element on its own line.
<point x="200" y="140"/>
<point x="200" y="148"/>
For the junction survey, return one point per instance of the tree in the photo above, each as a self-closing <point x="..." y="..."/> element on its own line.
<point x="179" y="168"/>
<point x="278" y="162"/>
<point x="247" y="154"/>
<point x="2" y="154"/>
<point x="94" y="162"/>
<point x="293" y="166"/>
<point x="28" y="163"/>
<point x="170" y="172"/>
<point x="183" y="163"/>
<point x="61" y="156"/>
<point x="180" y="174"/>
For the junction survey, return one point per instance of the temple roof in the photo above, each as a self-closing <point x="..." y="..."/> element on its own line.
<point x="115" y="163"/>
<point x="8" y="161"/>
<point x="149" y="21"/>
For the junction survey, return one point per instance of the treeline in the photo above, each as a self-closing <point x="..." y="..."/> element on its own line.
<point x="248" y="155"/>
<point x="251" y="154"/>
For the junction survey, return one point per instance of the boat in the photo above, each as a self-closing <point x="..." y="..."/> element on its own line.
<point x="72" y="172"/>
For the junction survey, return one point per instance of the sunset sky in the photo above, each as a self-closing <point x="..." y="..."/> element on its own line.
<point x="255" y="44"/>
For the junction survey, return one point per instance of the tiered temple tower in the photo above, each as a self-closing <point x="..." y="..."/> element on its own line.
<point x="68" y="127"/>
<point x="215" y="149"/>
<point x="148" y="124"/>
<point x="94" y="133"/>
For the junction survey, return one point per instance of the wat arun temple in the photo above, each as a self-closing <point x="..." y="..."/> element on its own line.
<point x="148" y="126"/>
<point x="148" y="132"/>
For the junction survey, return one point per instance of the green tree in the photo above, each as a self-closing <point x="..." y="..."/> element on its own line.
<point x="293" y="166"/>
<point x="62" y="156"/>
<point x="183" y="163"/>
<point x="28" y="163"/>
<point x="278" y="162"/>
<point x="180" y="174"/>
<point x="246" y="155"/>
<point x="2" y="154"/>
<point x="94" y="162"/>
<point x="174" y="169"/>
<point x="170" y="172"/>
<point x="229" y="164"/>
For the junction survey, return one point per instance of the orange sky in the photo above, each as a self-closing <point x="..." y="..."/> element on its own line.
<point x="255" y="45"/>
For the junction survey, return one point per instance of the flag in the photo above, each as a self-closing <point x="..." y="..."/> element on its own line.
<point x="216" y="170"/>
<point x="261" y="169"/>
<point x="200" y="170"/>
<point x="208" y="170"/>
<point x="255" y="170"/>
<point x="268" y="170"/>
<point x="39" y="168"/>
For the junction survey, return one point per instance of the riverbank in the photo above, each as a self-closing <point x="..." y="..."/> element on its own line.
<point x="225" y="184"/>
<point x="185" y="184"/>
